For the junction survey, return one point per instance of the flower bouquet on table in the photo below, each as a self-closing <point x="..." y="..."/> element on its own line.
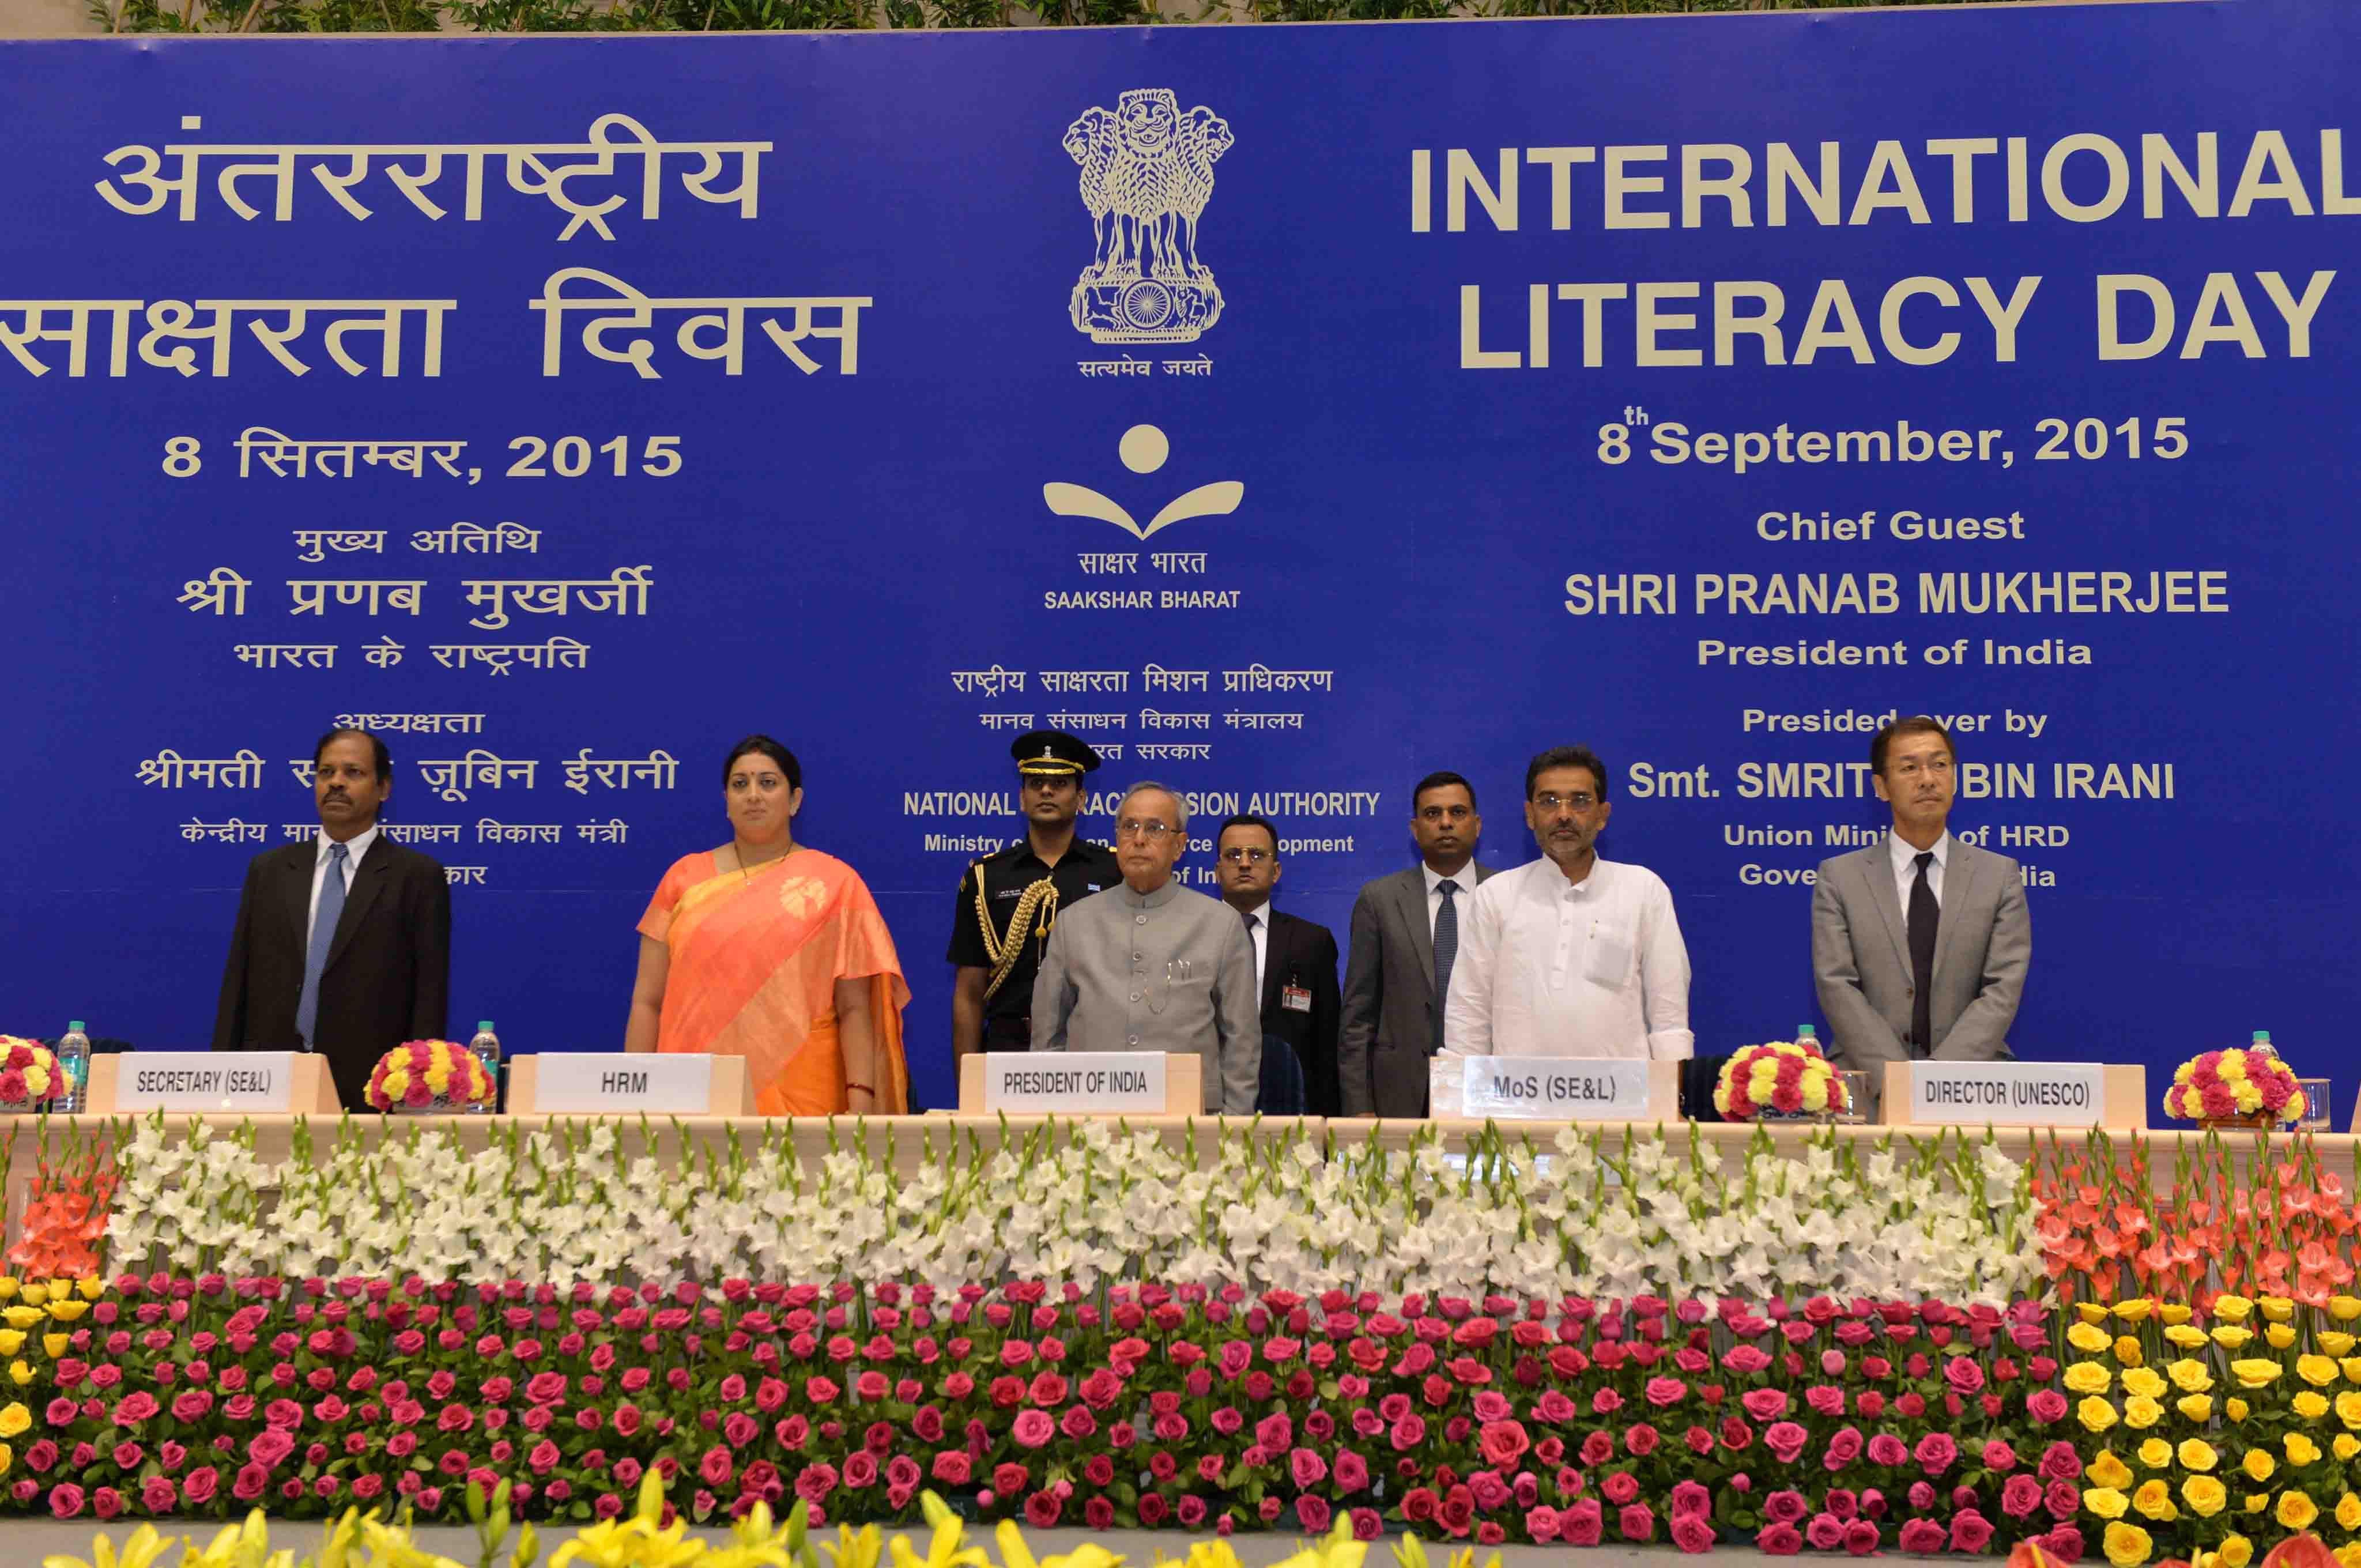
<point x="1779" y="1078"/>
<point x="424" y="1076"/>
<point x="29" y="1075"/>
<point x="2235" y="1087"/>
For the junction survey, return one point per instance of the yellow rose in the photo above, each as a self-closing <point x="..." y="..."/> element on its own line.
<point x="2156" y="1453"/>
<point x="36" y="1292"/>
<point x="22" y="1317"/>
<point x="2258" y="1465"/>
<point x="2229" y="1336"/>
<point x="2254" y="1372"/>
<point x="2173" y="1311"/>
<point x="2234" y="1408"/>
<point x="13" y="1340"/>
<point x="2141" y="1414"/>
<point x="57" y="1344"/>
<point x="2258" y="1501"/>
<point x="2088" y="1378"/>
<point x="2135" y="1310"/>
<point x="2335" y="1343"/>
<point x="2089" y="1338"/>
<point x="2198" y="1455"/>
<point x="2295" y="1510"/>
<point x="2236" y="1551"/>
<point x="67" y="1311"/>
<point x="2348" y="1408"/>
<point x="2127" y="1545"/>
<point x="2143" y="1381"/>
<point x="7" y="1287"/>
<point x="92" y="1287"/>
<point x="2105" y="1502"/>
<point x="2095" y="1414"/>
<point x="2311" y="1406"/>
<point x="2351" y="1366"/>
<point x="2232" y="1309"/>
<point x="2154" y="1500"/>
<point x="20" y="1373"/>
<point x="2190" y="1374"/>
<point x="2345" y="1308"/>
<point x="2109" y="1471"/>
<point x="2348" y="1555"/>
<point x="2301" y="1449"/>
<point x="2278" y="1309"/>
<point x="2279" y="1336"/>
<point x="2187" y="1337"/>
<point x="15" y="1418"/>
<point x="2091" y="1312"/>
<point x="2128" y="1352"/>
<point x="2348" y="1512"/>
<point x="2344" y="1446"/>
<point x="2198" y="1408"/>
<point x="2205" y="1496"/>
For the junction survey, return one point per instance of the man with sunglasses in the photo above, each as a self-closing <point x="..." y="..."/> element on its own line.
<point x="1153" y="966"/>
<point x="1570" y="955"/>
<point x="1295" y="961"/>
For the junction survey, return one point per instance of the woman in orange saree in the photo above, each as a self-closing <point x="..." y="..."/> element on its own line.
<point x="769" y="950"/>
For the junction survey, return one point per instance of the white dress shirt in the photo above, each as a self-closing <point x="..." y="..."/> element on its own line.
<point x="1462" y="884"/>
<point x="1549" y="968"/>
<point x="355" y="847"/>
<point x="1905" y="868"/>
<point x="1259" y="932"/>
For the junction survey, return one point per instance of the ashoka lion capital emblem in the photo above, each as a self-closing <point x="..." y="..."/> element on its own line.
<point x="1147" y="174"/>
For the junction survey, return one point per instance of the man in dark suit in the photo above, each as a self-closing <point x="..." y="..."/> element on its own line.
<point x="1405" y="935"/>
<point x="1295" y="961"/>
<point x="342" y="944"/>
<point x="1920" y="943"/>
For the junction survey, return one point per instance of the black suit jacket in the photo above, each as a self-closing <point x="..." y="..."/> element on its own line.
<point x="389" y="974"/>
<point x="1300" y="953"/>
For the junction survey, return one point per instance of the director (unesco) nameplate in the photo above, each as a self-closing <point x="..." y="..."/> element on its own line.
<point x="662" y="1083"/>
<point x="262" y="1081"/>
<point x="1558" y="1089"/>
<point x="2008" y="1094"/>
<point x="1075" y="1082"/>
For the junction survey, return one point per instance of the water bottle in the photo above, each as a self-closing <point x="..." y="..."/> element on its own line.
<point x="486" y="1048"/>
<point x="1806" y="1035"/>
<point x="2262" y="1045"/>
<point x="74" y="1062"/>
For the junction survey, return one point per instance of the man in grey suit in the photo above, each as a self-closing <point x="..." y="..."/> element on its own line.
<point x="1919" y="942"/>
<point x="1405" y="935"/>
<point x="1152" y="966"/>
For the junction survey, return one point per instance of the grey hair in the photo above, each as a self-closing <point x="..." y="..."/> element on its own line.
<point x="1179" y="802"/>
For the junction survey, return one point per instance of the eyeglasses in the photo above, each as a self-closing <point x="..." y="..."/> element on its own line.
<point x="1132" y="827"/>
<point x="1237" y="853"/>
<point x="1551" y="800"/>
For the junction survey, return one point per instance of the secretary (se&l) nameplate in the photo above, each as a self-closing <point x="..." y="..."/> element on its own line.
<point x="205" y="1080"/>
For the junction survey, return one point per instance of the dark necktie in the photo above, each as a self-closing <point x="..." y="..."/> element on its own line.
<point x="315" y="951"/>
<point x="1924" y="913"/>
<point x="1446" y="948"/>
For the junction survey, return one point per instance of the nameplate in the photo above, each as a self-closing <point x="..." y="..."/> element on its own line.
<point x="664" y="1083"/>
<point x="2008" y="1094"/>
<point x="1074" y="1083"/>
<point x="1557" y="1089"/>
<point x="205" y="1080"/>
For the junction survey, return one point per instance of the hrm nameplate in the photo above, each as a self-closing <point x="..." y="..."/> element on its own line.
<point x="1558" y="1089"/>
<point x="205" y="1080"/>
<point x="1130" y="1082"/>
<point x="2008" y="1094"/>
<point x="664" y="1083"/>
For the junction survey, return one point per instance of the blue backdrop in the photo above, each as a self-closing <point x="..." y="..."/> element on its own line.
<point x="1471" y="347"/>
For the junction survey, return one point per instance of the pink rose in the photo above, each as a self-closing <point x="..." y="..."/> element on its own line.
<point x="2047" y="1406"/>
<point x="1785" y="1507"/>
<point x="1033" y="1428"/>
<point x="1637" y="1521"/>
<point x="1920" y="1537"/>
<point x="65" y="1499"/>
<point x="1860" y="1538"/>
<point x="1778" y="1541"/>
<point x="2020" y="1496"/>
<point x="1971" y="1532"/>
<point x="1693" y="1532"/>
<point x="1935" y="1453"/>
<point x="1582" y="1524"/>
<point x="1785" y="1440"/>
<point x="1764" y="1404"/>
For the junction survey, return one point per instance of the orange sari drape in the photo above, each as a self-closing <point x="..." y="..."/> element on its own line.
<point x="754" y="958"/>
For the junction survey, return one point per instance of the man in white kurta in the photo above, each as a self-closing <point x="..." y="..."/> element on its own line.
<point x="1570" y="955"/>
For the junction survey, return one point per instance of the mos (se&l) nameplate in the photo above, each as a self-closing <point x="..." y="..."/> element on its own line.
<point x="1130" y="1082"/>
<point x="1559" y="1088"/>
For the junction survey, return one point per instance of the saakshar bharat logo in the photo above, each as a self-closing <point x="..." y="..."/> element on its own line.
<point x="1147" y="172"/>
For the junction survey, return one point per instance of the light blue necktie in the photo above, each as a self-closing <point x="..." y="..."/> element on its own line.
<point x="315" y="956"/>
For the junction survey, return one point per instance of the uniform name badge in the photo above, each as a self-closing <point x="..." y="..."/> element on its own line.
<point x="1295" y="999"/>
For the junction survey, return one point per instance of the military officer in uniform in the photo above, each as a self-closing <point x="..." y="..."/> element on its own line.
<point x="1008" y="902"/>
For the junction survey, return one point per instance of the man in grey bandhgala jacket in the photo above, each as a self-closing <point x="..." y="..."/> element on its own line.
<point x="1920" y="943"/>
<point x="1151" y="965"/>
